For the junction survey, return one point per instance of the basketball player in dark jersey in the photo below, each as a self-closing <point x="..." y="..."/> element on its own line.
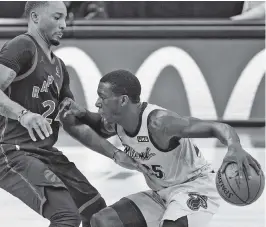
<point x="33" y="82"/>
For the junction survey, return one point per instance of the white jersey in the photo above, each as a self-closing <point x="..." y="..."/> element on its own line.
<point x="173" y="166"/>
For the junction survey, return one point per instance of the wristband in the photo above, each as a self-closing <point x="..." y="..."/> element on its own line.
<point x="22" y="113"/>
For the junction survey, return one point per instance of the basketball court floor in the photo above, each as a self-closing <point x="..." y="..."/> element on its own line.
<point x="114" y="182"/>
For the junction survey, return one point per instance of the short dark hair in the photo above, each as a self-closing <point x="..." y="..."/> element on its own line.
<point x="124" y="83"/>
<point x="31" y="5"/>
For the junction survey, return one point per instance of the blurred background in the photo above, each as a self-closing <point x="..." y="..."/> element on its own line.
<point x="204" y="59"/>
<point x="142" y="9"/>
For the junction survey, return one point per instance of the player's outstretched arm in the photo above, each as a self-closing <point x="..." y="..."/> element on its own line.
<point x="94" y="120"/>
<point x="86" y="135"/>
<point x="89" y="138"/>
<point x="170" y="124"/>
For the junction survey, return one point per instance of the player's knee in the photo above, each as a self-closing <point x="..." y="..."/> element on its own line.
<point x="102" y="218"/>
<point x="98" y="220"/>
<point x="60" y="208"/>
<point x="66" y="219"/>
<point x="87" y="213"/>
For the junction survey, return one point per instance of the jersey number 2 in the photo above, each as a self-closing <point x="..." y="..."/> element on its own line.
<point x="51" y="109"/>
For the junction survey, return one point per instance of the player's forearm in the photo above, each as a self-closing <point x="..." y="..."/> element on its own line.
<point x="85" y="135"/>
<point x="9" y="108"/>
<point x="205" y="129"/>
<point x="226" y="134"/>
<point x="92" y="119"/>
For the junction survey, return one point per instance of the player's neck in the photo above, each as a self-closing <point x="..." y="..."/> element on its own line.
<point x="133" y="113"/>
<point x="40" y="39"/>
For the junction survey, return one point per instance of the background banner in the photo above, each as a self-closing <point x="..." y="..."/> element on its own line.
<point x="208" y="79"/>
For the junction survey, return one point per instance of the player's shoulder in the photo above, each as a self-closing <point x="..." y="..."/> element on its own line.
<point x="156" y="118"/>
<point x="22" y="39"/>
<point x="160" y="118"/>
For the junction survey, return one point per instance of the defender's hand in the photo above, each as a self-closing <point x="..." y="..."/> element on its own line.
<point x="71" y="108"/>
<point x="124" y="160"/>
<point x="36" y="122"/>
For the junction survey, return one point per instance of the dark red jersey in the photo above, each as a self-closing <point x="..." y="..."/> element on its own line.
<point x="40" y="85"/>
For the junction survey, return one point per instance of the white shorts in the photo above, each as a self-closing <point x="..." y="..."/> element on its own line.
<point x="197" y="199"/>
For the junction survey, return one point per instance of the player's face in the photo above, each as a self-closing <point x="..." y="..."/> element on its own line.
<point x="109" y="105"/>
<point x="53" y="21"/>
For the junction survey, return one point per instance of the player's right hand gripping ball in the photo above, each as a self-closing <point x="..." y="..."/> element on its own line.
<point x="239" y="192"/>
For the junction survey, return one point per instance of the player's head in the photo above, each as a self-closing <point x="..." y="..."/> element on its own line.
<point x="117" y="90"/>
<point x="48" y="18"/>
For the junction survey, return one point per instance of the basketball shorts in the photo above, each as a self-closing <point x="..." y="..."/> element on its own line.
<point x="25" y="176"/>
<point x="198" y="200"/>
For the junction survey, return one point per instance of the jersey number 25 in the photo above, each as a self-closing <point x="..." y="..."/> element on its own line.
<point x="157" y="169"/>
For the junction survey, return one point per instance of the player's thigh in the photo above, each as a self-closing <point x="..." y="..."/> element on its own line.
<point x="86" y="197"/>
<point x="137" y="210"/>
<point x="25" y="177"/>
<point x="196" y="206"/>
<point x="195" y="197"/>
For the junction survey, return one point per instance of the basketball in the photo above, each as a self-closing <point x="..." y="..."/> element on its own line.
<point x="245" y="193"/>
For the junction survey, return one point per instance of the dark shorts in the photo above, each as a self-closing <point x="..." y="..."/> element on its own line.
<point x="25" y="175"/>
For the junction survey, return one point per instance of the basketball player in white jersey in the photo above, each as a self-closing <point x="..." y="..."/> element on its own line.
<point x="183" y="192"/>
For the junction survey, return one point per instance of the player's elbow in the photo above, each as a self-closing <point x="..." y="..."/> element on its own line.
<point x="225" y="133"/>
<point x="217" y="126"/>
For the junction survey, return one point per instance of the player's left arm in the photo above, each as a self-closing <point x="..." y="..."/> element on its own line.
<point x="86" y="135"/>
<point x="92" y="119"/>
<point x="170" y="124"/>
<point x="89" y="138"/>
